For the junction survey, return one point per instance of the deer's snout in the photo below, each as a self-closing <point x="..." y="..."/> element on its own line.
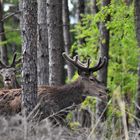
<point x="7" y="76"/>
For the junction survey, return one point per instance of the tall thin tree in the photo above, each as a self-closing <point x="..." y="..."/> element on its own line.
<point x="128" y="2"/>
<point x="42" y="45"/>
<point x="67" y="36"/>
<point x="95" y="8"/>
<point x="104" y="52"/>
<point x="137" y="22"/>
<point x="3" y="47"/>
<point x="29" y="52"/>
<point x="80" y="9"/>
<point x="80" y="12"/>
<point x="55" y="41"/>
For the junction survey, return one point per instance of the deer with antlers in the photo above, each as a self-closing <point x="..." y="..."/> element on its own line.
<point x="8" y="73"/>
<point x="53" y="100"/>
<point x="58" y="98"/>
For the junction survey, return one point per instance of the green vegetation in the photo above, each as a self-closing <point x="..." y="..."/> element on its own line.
<point x="123" y="53"/>
<point x="123" y="46"/>
<point x="123" y="62"/>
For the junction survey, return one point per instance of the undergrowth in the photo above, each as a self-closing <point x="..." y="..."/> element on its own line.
<point x="116" y="127"/>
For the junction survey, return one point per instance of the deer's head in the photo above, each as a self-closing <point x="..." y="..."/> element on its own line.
<point x="8" y="73"/>
<point x="91" y="86"/>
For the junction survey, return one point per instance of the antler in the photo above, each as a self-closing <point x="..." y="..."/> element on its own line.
<point x="14" y="60"/>
<point x="75" y="61"/>
<point x="99" y="65"/>
<point x="85" y="67"/>
<point x="13" y="64"/>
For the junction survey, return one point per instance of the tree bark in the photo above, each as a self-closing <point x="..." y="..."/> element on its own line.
<point x="67" y="36"/>
<point x="128" y="2"/>
<point x="104" y="52"/>
<point x="29" y="52"/>
<point x="42" y="46"/>
<point x="137" y="22"/>
<point x="95" y="7"/>
<point x="80" y="9"/>
<point x="3" y="48"/>
<point x="55" y="42"/>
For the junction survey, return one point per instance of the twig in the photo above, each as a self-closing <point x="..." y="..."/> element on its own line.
<point x="99" y="120"/>
<point x="62" y="110"/>
<point x="10" y="15"/>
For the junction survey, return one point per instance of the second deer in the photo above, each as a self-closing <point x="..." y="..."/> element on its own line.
<point x="8" y="73"/>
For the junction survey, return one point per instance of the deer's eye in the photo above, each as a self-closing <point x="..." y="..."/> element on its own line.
<point x="100" y="94"/>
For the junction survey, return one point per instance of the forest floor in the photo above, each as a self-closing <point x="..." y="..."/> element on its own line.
<point x="17" y="128"/>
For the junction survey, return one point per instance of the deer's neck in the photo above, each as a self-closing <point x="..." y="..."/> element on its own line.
<point x="69" y="94"/>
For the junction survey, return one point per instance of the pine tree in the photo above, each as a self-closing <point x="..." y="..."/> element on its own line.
<point x="42" y="46"/>
<point x="29" y="52"/>
<point x="55" y="42"/>
<point x="3" y="48"/>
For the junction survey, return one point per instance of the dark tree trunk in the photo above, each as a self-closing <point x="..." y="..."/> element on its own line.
<point x="42" y="46"/>
<point x="67" y="36"/>
<point x="29" y="52"/>
<point x="80" y="11"/>
<point x="3" y="48"/>
<point x="95" y="7"/>
<point x="137" y="21"/>
<point x="104" y="51"/>
<point x="55" y="42"/>
<point x="128" y="2"/>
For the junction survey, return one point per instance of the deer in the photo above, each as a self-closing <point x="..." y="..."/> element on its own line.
<point x="55" y="101"/>
<point x="74" y="93"/>
<point x="8" y="73"/>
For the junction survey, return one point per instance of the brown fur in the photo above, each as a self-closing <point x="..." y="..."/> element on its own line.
<point x="52" y="99"/>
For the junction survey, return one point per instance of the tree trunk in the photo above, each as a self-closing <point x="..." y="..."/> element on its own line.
<point x="104" y="51"/>
<point x="55" y="42"/>
<point x="80" y="11"/>
<point x="137" y="22"/>
<point x="42" y="46"/>
<point x="128" y="2"/>
<point x="67" y="36"/>
<point x="95" y="7"/>
<point x="29" y="52"/>
<point x="3" y="48"/>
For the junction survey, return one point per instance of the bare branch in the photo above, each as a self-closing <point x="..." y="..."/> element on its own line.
<point x="10" y="15"/>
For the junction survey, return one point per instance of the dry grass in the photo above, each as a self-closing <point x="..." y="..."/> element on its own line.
<point x="17" y="128"/>
<point x="114" y="128"/>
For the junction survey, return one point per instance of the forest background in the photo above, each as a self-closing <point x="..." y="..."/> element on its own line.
<point x="91" y="29"/>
